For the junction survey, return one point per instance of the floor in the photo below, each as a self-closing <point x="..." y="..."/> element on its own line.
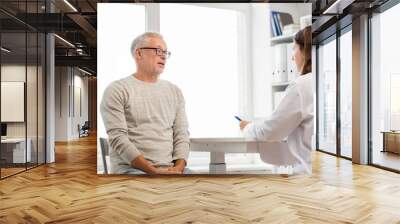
<point x="70" y="191"/>
<point x="387" y="159"/>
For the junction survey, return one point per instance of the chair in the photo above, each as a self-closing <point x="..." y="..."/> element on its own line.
<point x="84" y="130"/>
<point x="104" y="152"/>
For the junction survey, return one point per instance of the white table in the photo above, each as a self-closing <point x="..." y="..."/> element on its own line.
<point x="18" y="148"/>
<point x="219" y="146"/>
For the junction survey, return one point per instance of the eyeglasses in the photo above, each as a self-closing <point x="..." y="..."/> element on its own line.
<point x="159" y="51"/>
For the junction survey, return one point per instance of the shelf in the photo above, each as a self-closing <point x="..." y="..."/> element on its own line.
<point x="280" y="84"/>
<point x="281" y="39"/>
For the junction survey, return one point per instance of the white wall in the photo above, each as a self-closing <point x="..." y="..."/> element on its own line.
<point x="80" y="82"/>
<point x="245" y="7"/>
<point x="262" y="60"/>
<point x="61" y="103"/>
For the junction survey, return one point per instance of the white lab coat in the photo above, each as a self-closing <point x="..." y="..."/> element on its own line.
<point x="293" y="120"/>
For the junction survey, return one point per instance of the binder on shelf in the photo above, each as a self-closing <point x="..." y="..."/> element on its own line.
<point x="273" y="27"/>
<point x="284" y="19"/>
<point x="279" y="20"/>
<point x="278" y="23"/>
<point x="280" y="64"/>
<point x="291" y="66"/>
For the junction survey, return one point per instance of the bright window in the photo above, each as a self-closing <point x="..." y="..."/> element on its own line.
<point x="385" y="85"/>
<point x="204" y="64"/>
<point x="346" y="94"/>
<point x="327" y="97"/>
<point x="395" y="102"/>
<point x="114" y="58"/>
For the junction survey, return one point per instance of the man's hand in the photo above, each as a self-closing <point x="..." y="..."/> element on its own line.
<point x="175" y="169"/>
<point x="243" y="124"/>
<point x="167" y="170"/>
<point x="179" y="165"/>
<point x="141" y="163"/>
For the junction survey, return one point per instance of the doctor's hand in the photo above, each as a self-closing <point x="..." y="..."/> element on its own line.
<point x="243" y="124"/>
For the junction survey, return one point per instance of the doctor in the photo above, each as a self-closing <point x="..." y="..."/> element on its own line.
<point x="293" y="119"/>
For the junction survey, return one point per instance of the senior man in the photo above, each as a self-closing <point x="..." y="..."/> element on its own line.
<point x="145" y="116"/>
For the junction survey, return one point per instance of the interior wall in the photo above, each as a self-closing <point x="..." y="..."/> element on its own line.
<point x="262" y="65"/>
<point x="61" y="103"/>
<point x="71" y="102"/>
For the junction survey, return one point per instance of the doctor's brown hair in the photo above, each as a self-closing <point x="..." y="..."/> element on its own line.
<point x="303" y="39"/>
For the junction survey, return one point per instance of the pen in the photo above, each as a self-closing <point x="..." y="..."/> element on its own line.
<point x="238" y="118"/>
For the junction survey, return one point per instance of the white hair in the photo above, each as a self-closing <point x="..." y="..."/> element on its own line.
<point x="142" y="40"/>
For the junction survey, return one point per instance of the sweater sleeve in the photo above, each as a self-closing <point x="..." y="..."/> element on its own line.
<point x="112" y="112"/>
<point x="180" y="128"/>
<point x="286" y="118"/>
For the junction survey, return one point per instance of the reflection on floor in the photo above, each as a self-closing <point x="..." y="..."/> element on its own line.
<point x="10" y="169"/>
<point x="387" y="159"/>
<point x="346" y="152"/>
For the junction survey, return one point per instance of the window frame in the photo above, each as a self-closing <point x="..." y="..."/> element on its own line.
<point x="333" y="37"/>
<point x="41" y="37"/>
<point x="379" y="10"/>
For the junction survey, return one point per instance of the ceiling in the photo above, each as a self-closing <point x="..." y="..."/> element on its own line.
<point x="76" y="22"/>
<point x="76" y="25"/>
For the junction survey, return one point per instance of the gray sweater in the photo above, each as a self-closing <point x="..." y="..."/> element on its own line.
<point x="144" y="118"/>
